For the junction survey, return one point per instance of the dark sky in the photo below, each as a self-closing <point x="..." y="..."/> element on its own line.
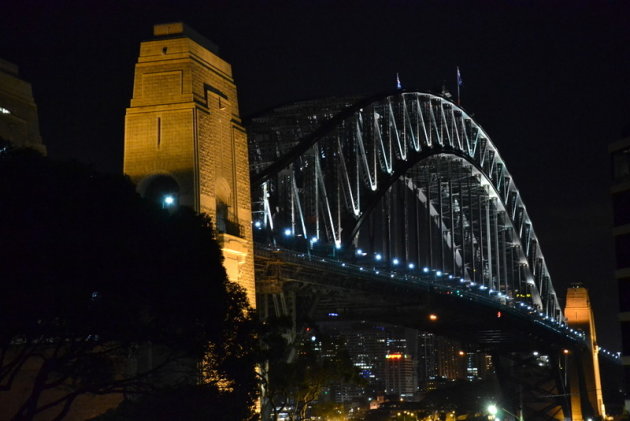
<point x="548" y="80"/>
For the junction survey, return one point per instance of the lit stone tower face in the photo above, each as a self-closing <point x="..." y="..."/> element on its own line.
<point x="18" y="112"/>
<point x="184" y="143"/>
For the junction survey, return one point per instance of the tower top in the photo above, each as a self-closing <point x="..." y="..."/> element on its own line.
<point x="180" y="29"/>
<point x="8" y="67"/>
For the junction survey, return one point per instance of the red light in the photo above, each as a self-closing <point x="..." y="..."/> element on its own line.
<point x="393" y="356"/>
<point x="499" y="314"/>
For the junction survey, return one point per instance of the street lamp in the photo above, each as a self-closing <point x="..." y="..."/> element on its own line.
<point x="493" y="410"/>
<point x="168" y="201"/>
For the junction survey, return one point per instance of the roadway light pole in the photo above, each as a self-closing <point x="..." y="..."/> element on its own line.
<point x="493" y="410"/>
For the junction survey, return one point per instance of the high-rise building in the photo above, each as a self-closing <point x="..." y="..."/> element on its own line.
<point x="427" y="359"/>
<point x="19" y="123"/>
<point x="620" y="190"/>
<point x="400" y="375"/>
<point x="478" y="365"/>
<point x="450" y="362"/>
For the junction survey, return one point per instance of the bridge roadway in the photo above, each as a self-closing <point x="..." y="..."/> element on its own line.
<point x="465" y="310"/>
<point x="532" y="353"/>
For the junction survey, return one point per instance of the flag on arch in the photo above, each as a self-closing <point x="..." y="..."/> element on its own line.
<point x="460" y="82"/>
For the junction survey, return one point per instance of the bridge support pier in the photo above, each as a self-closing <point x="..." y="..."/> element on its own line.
<point x="585" y="382"/>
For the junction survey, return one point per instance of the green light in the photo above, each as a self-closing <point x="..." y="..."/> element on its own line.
<point x="492" y="409"/>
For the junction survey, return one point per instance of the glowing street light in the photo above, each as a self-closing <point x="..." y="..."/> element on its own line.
<point x="492" y="409"/>
<point x="168" y="200"/>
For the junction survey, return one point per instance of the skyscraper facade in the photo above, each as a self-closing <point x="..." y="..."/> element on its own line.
<point x="620" y="191"/>
<point x="19" y="122"/>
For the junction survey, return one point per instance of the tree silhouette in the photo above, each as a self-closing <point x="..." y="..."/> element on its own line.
<point x="297" y="372"/>
<point x="102" y="292"/>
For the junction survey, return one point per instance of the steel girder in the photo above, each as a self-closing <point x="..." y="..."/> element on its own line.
<point x="406" y="177"/>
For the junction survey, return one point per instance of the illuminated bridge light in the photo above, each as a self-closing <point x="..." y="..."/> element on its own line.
<point x="314" y="240"/>
<point x="411" y="266"/>
<point x="338" y="246"/>
<point x="288" y="231"/>
<point x="333" y="314"/>
<point x="395" y="261"/>
<point x="378" y="256"/>
<point x="438" y="273"/>
<point x="258" y="224"/>
<point x="425" y="269"/>
<point x="359" y="252"/>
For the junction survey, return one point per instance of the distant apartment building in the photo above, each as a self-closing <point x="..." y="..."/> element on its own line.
<point x="620" y="191"/>
<point x="427" y="359"/>
<point x="451" y="362"/>
<point x="401" y="375"/>
<point x="19" y="123"/>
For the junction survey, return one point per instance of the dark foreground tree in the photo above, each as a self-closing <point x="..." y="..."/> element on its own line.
<point x="297" y="373"/>
<point x="101" y="292"/>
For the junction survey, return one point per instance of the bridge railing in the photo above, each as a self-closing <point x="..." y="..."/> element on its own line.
<point x="433" y="280"/>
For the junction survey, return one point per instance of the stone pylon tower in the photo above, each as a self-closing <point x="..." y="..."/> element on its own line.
<point x="585" y="385"/>
<point x="184" y="142"/>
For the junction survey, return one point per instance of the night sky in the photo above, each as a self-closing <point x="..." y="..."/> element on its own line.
<point x="548" y="80"/>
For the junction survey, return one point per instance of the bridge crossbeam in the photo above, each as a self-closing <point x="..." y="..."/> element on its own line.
<point x="405" y="178"/>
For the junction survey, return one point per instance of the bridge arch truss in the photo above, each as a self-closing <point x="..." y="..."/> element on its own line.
<point x="403" y="180"/>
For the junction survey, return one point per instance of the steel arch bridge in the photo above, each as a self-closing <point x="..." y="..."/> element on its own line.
<point x="404" y="180"/>
<point x="394" y="204"/>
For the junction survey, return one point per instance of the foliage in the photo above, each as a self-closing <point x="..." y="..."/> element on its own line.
<point x="329" y="411"/>
<point x="93" y="277"/>
<point x="462" y="396"/>
<point x="187" y="402"/>
<point x="298" y="372"/>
